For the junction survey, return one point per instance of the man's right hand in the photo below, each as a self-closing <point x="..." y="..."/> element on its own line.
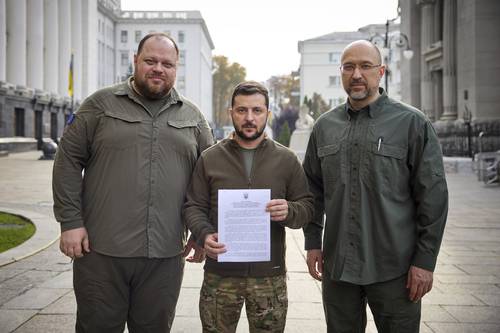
<point x="74" y="242"/>
<point x="212" y="247"/>
<point x="315" y="263"/>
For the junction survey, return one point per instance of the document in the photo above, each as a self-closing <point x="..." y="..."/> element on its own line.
<point x="244" y="225"/>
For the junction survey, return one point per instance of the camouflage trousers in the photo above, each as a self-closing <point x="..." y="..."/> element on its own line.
<point x="222" y="298"/>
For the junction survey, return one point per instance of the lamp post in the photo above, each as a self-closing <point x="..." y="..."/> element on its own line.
<point x="398" y="40"/>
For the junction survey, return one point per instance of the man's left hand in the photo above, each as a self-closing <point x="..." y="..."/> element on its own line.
<point x="278" y="209"/>
<point x="199" y="252"/>
<point x="419" y="283"/>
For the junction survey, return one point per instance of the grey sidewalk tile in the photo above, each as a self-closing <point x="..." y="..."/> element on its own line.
<point x="436" y="298"/>
<point x="493" y="260"/>
<point x="303" y="291"/>
<point x="304" y="326"/>
<point x="454" y="288"/>
<point x="480" y="269"/>
<point x="464" y="328"/>
<point x="8" y="272"/>
<point x="474" y="314"/>
<point x="63" y="280"/>
<point x="64" y="305"/>
<point x="442" y="269"/>
<point x="186" y="325"/>
<point x="489" y="299"/>
<point x="187" y="306"/>
<point x="36" y="298"/>
<point x="48" y="323"/>
<point x="436" y="313"/>
<point x="469" y="253"/>
<point x="465" y="279"/>
<point x="305" y="310"/>
<point x="27" y="280"/>
<point x="11" y="319"/>
<point x="7" y="294"/>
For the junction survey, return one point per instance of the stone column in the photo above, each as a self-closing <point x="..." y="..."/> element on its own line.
<point x="16" y="43"/>
<point x="449" y="60"/>
<point x="35" y="44"/>
<point x="426" y="39"/>
<point x="76" y="46"/>
<point x="89" y="47"/>
<point x="51" y="41"/>
<point x="64" y="15"/>
<point x="3" y="40"/>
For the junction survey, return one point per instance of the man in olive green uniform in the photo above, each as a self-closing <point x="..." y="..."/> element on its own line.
<point x="375" y="168"/>
<point x="137" y="144"/>
<point x="246" y="160"/>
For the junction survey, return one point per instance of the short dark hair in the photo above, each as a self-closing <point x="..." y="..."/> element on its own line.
<point x="157" y="35"/>
<point x="249" y="88"/>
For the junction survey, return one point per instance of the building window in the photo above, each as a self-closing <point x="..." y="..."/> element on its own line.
<point x="334" y="81"/>
<point x="138" y="36"/>
<point x="182" y="57"/>
<point x="124" y="36"/>
<point x="124" y="57"/>
<point x="181" y="37"/>
<point x="334" y="57"/>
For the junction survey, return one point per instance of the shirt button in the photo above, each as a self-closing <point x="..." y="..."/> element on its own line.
<point x="155" y="139"/>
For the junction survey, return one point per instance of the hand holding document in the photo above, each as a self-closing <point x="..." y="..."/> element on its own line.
<point x="244" y="225"/>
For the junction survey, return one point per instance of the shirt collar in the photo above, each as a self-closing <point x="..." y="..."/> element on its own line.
<point x="374" y="108"/>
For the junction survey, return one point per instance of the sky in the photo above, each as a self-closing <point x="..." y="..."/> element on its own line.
<point x="263" y="35"/>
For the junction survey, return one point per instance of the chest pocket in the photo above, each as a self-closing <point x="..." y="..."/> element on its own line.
<point x="331" y="164"/>
<point x="118" y="131"/>
<point x="385" y="168"/>
<point x="181" y="136"/>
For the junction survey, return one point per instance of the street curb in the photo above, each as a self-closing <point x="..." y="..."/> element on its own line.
<point x="47" y="233"/>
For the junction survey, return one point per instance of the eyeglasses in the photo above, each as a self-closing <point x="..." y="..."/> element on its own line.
<point x="363" y="68"/>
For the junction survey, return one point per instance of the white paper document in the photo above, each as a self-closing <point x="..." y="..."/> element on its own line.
<point x="244" y="225"/>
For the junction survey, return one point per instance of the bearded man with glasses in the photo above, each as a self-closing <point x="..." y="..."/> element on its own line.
<point x="375" y="168"/>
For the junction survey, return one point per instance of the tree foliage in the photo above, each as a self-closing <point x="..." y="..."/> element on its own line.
<point x="285" y="90"/>
<point x="317" y="105"/>
<point x="225" y="77"/>
<point x="285" y="135"/>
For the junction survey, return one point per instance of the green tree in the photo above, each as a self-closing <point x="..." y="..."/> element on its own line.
<point x="285" y="90"/>
<point x="284" y="137"/>
<point x="225" y="77"/>
<point x="316" y="104"/>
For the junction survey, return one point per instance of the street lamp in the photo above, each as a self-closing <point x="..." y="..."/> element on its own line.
<point x="399" y="40"/>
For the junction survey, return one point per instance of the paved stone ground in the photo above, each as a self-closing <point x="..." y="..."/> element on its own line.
<point x="36" y="293"/>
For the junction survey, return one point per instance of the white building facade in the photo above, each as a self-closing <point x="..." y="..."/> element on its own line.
<point x="38" y="39"/>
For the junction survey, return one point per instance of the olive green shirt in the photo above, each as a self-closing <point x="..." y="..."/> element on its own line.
<point x="379" y="179"/>
<point x="136" y="169"/>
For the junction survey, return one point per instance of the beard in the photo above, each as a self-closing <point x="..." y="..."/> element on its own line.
<point x="241" y="134"/>
<point x="151" y="91"/>
<point x="359" y="95"/>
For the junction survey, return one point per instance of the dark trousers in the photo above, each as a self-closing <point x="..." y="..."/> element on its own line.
<point x="140" y="291"/>
<point x="345" y="306"/>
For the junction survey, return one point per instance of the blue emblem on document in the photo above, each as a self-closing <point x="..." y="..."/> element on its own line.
<point x="245" y="195"/>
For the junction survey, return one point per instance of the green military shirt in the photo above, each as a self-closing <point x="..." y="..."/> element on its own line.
<point x="379" y="178"/>
<point x="136" y="168"/>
